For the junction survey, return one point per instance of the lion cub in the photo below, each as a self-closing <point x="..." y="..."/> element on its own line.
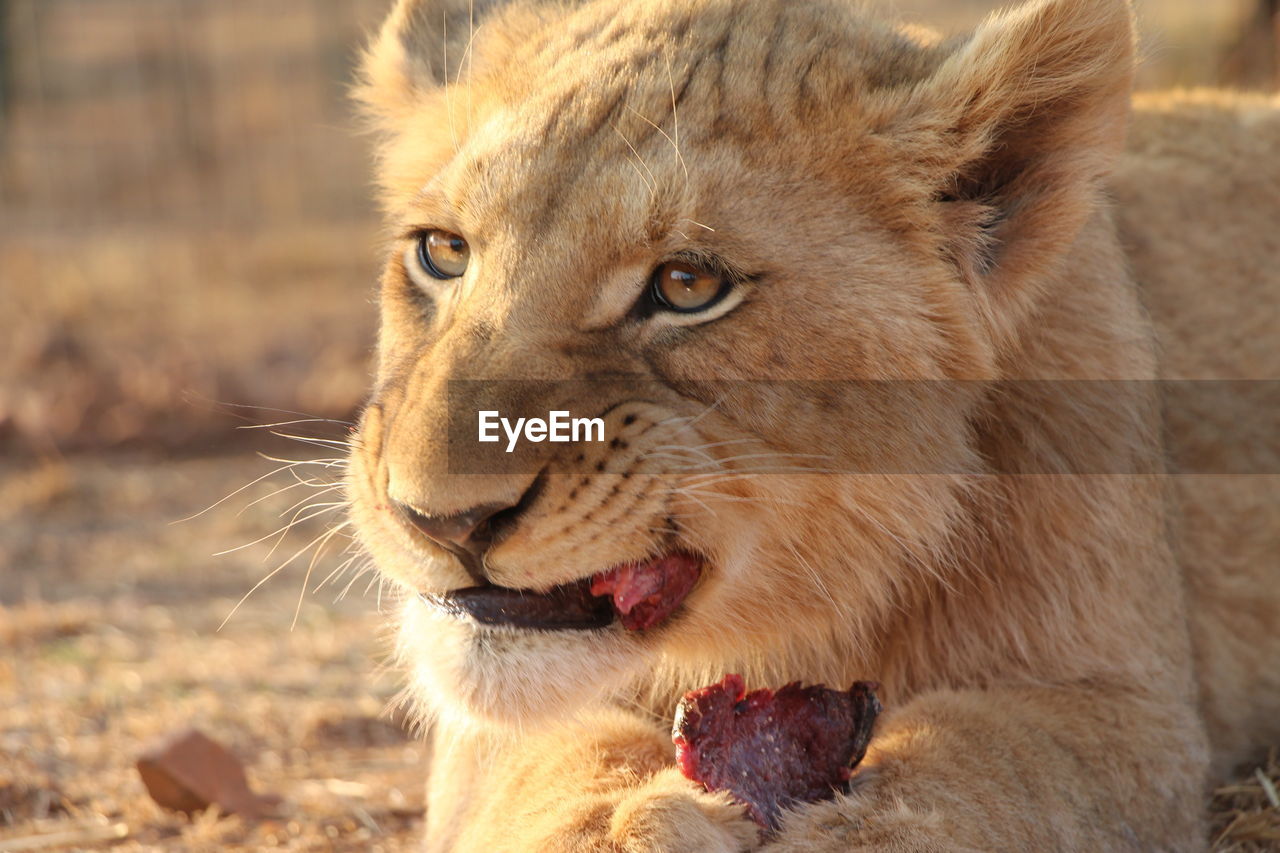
<point x="876" y="328"/>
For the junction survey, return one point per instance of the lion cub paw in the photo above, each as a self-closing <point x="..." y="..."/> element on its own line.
<point x="670" y="814"/>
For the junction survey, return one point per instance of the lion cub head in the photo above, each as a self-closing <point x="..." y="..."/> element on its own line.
<point x="759" y="241"/>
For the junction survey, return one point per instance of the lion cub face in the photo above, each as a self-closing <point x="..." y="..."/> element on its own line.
<point x="696" y="222"/>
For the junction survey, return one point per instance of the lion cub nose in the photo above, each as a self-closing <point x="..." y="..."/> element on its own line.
<point x="467" y="535"/>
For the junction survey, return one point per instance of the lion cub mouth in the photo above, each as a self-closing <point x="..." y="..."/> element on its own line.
<point x="639" y="594"/>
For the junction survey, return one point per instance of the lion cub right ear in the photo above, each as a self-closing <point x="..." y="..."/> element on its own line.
<point x="426" y="44"/>
<point x="1027" y="117"/>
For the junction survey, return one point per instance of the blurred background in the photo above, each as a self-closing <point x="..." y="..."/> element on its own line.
<point x="185" y="215"/>
<point x="187" y="245"/>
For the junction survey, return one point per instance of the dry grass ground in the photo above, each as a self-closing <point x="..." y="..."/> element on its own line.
<point x="109" y="639"/>
<point x="132" y="337"/>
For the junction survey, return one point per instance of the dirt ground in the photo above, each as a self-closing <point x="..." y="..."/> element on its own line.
<point x="109" y="639"/>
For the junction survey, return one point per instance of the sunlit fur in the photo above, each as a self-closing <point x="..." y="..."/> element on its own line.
<point x="1050" y="646"/>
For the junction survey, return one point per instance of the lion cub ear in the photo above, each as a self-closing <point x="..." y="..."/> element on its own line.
<point x="1026" y="118"/>
<point x="422" y="45"/>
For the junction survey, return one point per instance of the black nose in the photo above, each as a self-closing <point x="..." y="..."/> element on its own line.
<point x="466" y="535"/>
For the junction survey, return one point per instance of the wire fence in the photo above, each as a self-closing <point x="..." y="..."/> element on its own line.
<point x="236" y="111"/>
<point x="184" y="216"/>
<point x="141" y="111"/>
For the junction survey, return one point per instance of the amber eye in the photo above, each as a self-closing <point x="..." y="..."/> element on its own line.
<point x="680" y="286"/>
<point x="442" y="254"/>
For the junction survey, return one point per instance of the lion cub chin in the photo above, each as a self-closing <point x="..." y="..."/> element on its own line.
<point x="477" y="675"/>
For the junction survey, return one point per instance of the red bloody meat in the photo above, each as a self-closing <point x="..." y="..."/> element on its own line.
<point x="772" y="749"/>
<point x="646" y="593"/>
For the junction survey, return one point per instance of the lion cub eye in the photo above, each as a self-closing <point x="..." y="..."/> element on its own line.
<point x="442" y="254"/>
<point x="683" y="287"/>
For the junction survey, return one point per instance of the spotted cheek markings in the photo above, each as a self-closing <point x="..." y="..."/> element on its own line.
<point x="572" y="532"/>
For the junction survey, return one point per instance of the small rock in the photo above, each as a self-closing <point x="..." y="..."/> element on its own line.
<point x="191" y="771"/>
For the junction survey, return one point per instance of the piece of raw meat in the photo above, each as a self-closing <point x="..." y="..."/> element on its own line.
<point x="771" y="749"/>
<point x="647" y="592"/>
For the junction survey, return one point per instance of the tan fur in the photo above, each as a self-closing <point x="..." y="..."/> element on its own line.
<point x="1066" y="658"/>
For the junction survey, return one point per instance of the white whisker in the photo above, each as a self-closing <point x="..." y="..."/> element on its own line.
<point x="333" y="462"/>
<point x="294" y="422"/>
<point x="666" y="137"/>
<point x="247" y="485"/>
<point x="323" y="541"/>
<point x="652" y="183"/>
<point x="285" y="528"/>
<point x="336" y="573"/>
<point x="268" y="577"/>
<point x="310" y="496"/>
<point x="448" y="99"/>
<point x="318" y="442"/>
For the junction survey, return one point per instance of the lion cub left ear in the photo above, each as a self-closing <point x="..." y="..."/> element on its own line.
<point x="424" y="45"/>
<point x="1026" y="118"/>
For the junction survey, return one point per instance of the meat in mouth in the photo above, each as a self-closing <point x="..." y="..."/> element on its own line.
<point x="639" y="594"/>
